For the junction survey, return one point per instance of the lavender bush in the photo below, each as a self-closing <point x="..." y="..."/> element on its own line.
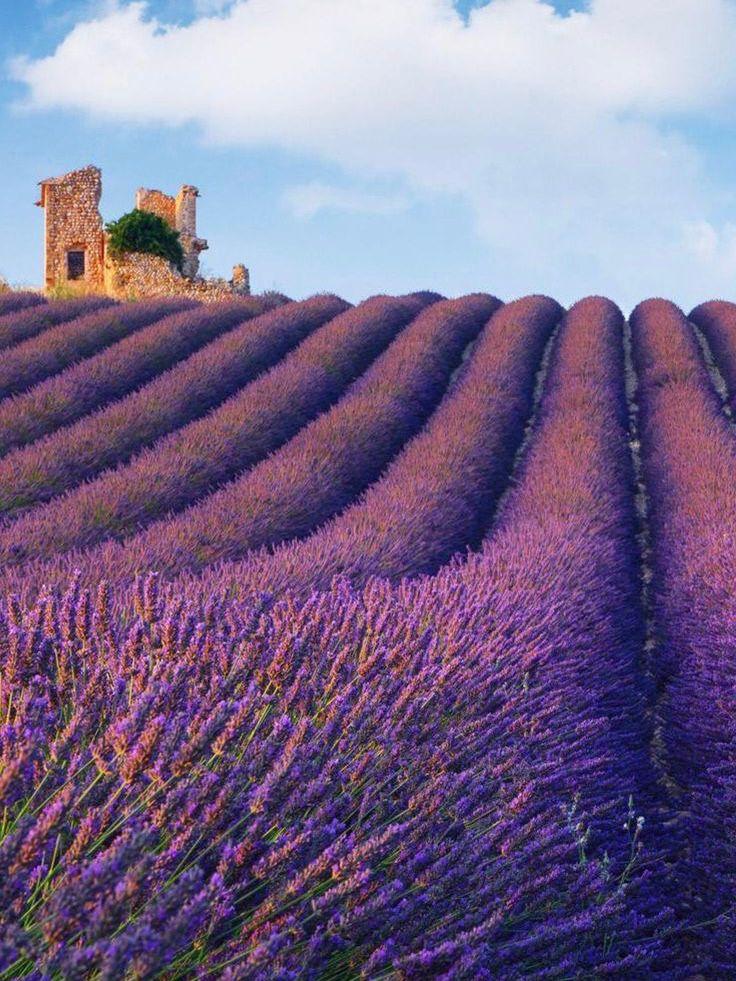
<point x="15" y="300"/>
<point x="34" y="319"/>
<point x="170" y="400"/>
<point x="689" y="454"/>
<point x="717" y="321"/>
<point x="438" y="494"/>
<point x="117" y="370"/>
<point x="433" y="780"/>
<point x="199" y="800"/>
<point x="181" y="468"/>
<point x="31" y="361"/>
<point x="325" y="741"/>
<point x="327" y="464"/>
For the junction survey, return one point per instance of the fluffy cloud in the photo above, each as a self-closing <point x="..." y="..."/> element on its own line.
<point x="561" y="133"/>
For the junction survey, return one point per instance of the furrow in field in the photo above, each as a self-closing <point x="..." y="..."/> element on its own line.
<point x="119" y="369"/>
<point x="30" y="362"/>
<point x="646" y="558"/>
<point x="74" y="453"/>
<point x="438" y="495"/>
<point x="689" y="459"/>
<point x="33" y="320"/>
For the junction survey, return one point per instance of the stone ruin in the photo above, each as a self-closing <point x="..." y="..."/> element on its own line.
<point x="180" y="213"/>
<point x="77" y="256"/>
<point x="74" y="236"/>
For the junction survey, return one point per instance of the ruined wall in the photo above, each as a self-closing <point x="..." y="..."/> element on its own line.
<point x="186" y="225"/>
<point x="73" y="224"/>
<point x="186" y="210"/>
<point x="181" y="214"/>
<point x="157" y="203"/>
<point x="136" y="276"/>
<point x="241" y="279"/>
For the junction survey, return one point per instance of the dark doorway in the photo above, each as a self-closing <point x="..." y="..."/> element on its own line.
<point x="75" y="265"/>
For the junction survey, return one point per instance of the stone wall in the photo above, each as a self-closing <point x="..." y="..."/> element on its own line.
<point x="241" y="279"/>
<point x="180" y="213"/>
<point x="185" y="217"/>
<point x="138" y="276"/>
<point x="157" y="203"/>
<point x="73" y="224"/>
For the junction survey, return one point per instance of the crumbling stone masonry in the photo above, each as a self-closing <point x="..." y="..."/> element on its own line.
<point x="138" y="274"/>
<point x="76" y="254"/>
<point x="74" y="237"/>
<point x="181" y="213"/>
<point x="157" y="203"/>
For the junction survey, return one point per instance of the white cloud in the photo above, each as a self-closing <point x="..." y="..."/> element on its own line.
<point x="307" y="200"/>
<point x="561" y="133"/>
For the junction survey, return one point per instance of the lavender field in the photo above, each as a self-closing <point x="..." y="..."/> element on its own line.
<point x="393" y="641"/>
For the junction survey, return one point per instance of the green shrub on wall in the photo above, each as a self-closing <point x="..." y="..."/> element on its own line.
<point x="142" y="231"/>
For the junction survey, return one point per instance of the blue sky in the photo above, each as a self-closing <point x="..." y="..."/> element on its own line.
<point x="527" y="151"/>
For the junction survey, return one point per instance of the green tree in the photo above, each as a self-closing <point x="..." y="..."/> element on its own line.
<point x="142" y="231"/>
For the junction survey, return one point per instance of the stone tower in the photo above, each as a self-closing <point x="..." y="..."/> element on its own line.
<point x="74" y="241"/>
<point x="181" y="213"/>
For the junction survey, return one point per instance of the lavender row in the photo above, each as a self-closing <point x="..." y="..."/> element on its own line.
<point x="438" y="495"/>
<point x="717" y="321"/>
<point x="553" y="602"/>
<point x="271" y="797"/>
<point x="31" y="361"/>
<point x="318" y="472"/>
<point x="33" y="320"/>
<point x="558" y="584"/>
<point x="184" y="466"/>
<point x="560" y="570"/>
<point x="172" y="399"/>
<point x="568" y="532"/>
<point x="420" y="781"/>
<point x="329" y="462"/>
<point x="117" y="370"/>
<point x="689" y="458"/>
<point x="16" y="300"/>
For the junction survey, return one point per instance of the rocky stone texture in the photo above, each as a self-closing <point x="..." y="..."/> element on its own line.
<point x="157" y="203"/>
<point x="181" y="213"/>
<point x="137" y="275"/>
<point x="241" y="279"/>
<point x="74" y="227"/>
